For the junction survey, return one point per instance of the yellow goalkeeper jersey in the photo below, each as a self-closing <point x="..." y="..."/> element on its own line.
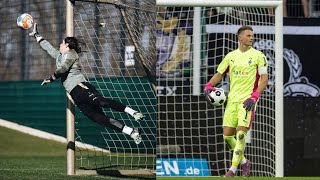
<point x="244" y="70"/>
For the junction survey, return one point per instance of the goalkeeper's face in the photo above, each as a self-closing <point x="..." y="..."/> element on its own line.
<point x="64" y="47"/>
<point x="246" y="38"/>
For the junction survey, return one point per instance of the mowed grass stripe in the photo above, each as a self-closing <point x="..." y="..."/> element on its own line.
<point x="15" y="143"/>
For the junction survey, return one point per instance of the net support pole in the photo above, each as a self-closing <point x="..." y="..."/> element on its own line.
<point x="70" y="103"/>
<point x="196" y="60"/>
<point x="279" y="90"/>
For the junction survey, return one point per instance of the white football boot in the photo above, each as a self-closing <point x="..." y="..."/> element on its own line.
<point x="138" y="116"/>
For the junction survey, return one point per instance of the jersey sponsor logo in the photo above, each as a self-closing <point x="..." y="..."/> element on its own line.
<point x="240" y="73"/>
<point x="296" y="85"/>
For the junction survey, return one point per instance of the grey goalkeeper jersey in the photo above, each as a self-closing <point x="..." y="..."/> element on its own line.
<point x="68" y="66"/>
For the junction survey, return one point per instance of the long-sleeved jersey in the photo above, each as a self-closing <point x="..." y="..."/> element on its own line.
<point x="68" y="66"/>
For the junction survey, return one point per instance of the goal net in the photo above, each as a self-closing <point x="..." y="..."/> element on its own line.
<point x="118" y="47"/>
<point x="190" y="130"/>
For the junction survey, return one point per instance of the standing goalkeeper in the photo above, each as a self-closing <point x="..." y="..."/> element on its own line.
<point x="247" y="69"/>
<point x="85" y="96"/>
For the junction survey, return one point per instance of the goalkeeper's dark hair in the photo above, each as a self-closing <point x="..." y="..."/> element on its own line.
<point x="73" y="43"/>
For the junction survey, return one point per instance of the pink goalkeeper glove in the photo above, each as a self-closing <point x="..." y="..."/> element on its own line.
<point x="249" y="104"/>
<point x="209" y="87"/>
<point x="207" y="90"/>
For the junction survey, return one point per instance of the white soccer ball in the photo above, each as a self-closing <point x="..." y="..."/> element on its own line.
<point x="25" y="21"/>
<point x="217" y="97"/>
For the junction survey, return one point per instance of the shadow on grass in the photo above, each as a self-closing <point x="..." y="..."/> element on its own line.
<point x="113" y="171"/>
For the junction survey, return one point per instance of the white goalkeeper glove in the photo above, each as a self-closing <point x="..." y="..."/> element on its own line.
<point x="48" y="79"/>
<point x="35" y="33"/>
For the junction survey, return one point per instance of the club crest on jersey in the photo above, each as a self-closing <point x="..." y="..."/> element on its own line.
<point x="250" y="61"/>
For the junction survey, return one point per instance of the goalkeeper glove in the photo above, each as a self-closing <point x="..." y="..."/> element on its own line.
<point x="249" y="104"/>
<point x="207" y="90"/>
<point x="209" y="87"/>
<point x="35" y="33"/>
<point x="48" y="79"/>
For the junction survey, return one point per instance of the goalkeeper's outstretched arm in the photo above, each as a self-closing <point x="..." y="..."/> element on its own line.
<point x="53" y="52"/>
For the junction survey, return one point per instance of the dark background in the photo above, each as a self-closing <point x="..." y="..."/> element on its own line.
<point x="301" y="113"/>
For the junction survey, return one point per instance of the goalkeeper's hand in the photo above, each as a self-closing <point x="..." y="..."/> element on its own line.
<point x="48" y="79"/>
<point x="207" y="90"/>
<point x="35" y="33"/>
<point x="209" y="87"/>
<point x="249" y="104"/>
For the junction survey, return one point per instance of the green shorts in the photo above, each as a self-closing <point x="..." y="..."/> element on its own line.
<point x="235" y="115"/>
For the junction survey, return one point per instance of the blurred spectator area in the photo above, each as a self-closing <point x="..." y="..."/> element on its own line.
<point x="301" y="8"/>
<point x="295" y="8"/>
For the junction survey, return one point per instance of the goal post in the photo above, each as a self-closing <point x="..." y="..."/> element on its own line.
<point x="70" y="104"/>
<point x="198" y="61"/>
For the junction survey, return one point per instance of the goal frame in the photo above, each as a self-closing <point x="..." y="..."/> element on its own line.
<point x="277" y="4"/>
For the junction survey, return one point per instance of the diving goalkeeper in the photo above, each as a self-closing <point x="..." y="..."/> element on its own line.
<point x="85" y="96"/>
<point x="247" y="68"/>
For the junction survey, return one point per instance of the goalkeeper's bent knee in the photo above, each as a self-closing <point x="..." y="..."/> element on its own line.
<point x="241" y="135"/>
<point x="231" y="141"/>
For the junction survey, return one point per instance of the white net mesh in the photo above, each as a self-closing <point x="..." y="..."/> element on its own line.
<point x="188" y="127"/>
<point x="110" y="62"/>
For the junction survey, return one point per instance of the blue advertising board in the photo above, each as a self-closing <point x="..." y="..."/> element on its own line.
<point x="182" y="167"/>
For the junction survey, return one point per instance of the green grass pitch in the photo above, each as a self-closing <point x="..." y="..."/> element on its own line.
<point x="27" y="157"/>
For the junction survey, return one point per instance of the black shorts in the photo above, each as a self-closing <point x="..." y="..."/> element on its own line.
<point x="91" y="103"/>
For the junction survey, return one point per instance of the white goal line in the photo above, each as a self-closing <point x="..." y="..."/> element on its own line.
<point x="46" y="135"/>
